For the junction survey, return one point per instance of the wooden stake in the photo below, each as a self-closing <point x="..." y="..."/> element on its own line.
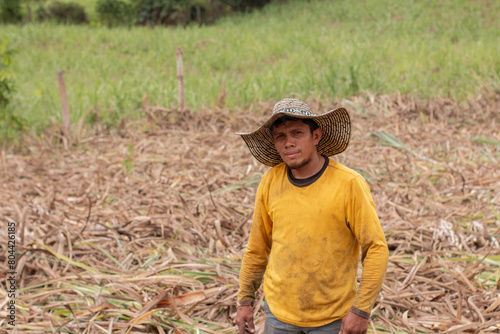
<point x="180" y="79"/>
<point x="65" y="107"/>
<point x="221" y="97"/>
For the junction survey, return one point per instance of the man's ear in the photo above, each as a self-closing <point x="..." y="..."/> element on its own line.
<point x="317" y="136"/>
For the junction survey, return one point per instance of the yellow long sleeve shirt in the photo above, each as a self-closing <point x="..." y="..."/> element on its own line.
<point x="307" y="241"/>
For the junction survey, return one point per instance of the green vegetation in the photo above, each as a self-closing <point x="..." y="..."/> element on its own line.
<point x="112" y="12"/>
<point x="10" y="11"/>
<point x="303" y="48"/>
<point x="10" y="124"/>
<point x="63" y="13"/>
<point x="6" y="84"/>
<point x="89" y="5"/>
<point x="140" y="12"/>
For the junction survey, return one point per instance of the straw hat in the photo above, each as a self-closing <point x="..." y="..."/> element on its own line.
<point x="335" y="125"/>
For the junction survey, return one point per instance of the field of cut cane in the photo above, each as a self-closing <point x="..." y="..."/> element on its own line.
<point x="141" y="230"/>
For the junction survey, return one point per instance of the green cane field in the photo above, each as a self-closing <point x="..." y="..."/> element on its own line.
<point x="320" y="49"/>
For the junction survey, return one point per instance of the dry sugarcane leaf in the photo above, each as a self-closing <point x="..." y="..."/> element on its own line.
<point x="130" y="215"/>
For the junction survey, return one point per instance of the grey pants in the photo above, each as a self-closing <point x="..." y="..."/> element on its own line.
<point x="274" y="326"/>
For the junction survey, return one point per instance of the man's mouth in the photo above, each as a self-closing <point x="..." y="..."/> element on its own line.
<point x="291" y="154"/>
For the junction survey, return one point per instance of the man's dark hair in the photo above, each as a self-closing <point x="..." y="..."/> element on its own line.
<point x="283" y="119"/>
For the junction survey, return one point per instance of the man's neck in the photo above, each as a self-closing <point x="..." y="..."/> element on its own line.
<point x="311" y="168"/>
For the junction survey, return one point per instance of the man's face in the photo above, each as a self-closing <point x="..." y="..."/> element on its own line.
<point x="295" y="143"/>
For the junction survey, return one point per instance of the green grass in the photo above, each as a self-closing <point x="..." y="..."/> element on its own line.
<point x="319" y="48"/>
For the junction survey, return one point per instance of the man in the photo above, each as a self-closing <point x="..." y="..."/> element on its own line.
<point x="312" y="217"/>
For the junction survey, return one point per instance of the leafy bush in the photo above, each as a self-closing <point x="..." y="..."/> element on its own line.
<point x="6" y="84"/>
<point x="157" y="12"/>
<point x="246" y="5"/>
<point x="63" y="12"/>
<point x="10" y="11"/>
<point x="9" y="123"/>
<point x="171" y="12"/>
<point x="113" y="12"/>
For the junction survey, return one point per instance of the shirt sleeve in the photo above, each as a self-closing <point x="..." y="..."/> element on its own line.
<point x="363" y="220"/>
<point x="257" y="251"/>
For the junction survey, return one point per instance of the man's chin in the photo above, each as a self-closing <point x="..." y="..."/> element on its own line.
<point x="296" y="164"/>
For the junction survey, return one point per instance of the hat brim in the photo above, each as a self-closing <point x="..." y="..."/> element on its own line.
<point x="335" y="126"/>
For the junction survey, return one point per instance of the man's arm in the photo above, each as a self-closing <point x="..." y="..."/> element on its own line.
<point x="368" y="231"/>
<point x="254" y="263"/>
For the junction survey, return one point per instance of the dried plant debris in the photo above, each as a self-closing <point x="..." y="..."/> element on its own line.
<point x="142" y="230"/>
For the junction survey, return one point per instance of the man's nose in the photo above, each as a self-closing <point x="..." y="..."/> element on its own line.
<point x="289" y="142"/>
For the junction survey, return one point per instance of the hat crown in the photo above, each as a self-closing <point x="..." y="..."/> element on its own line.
<point x="293" y="106"/>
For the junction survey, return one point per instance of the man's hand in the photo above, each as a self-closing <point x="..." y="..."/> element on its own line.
<point x="353" y="324"/>
<point x="244" y="320"/>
